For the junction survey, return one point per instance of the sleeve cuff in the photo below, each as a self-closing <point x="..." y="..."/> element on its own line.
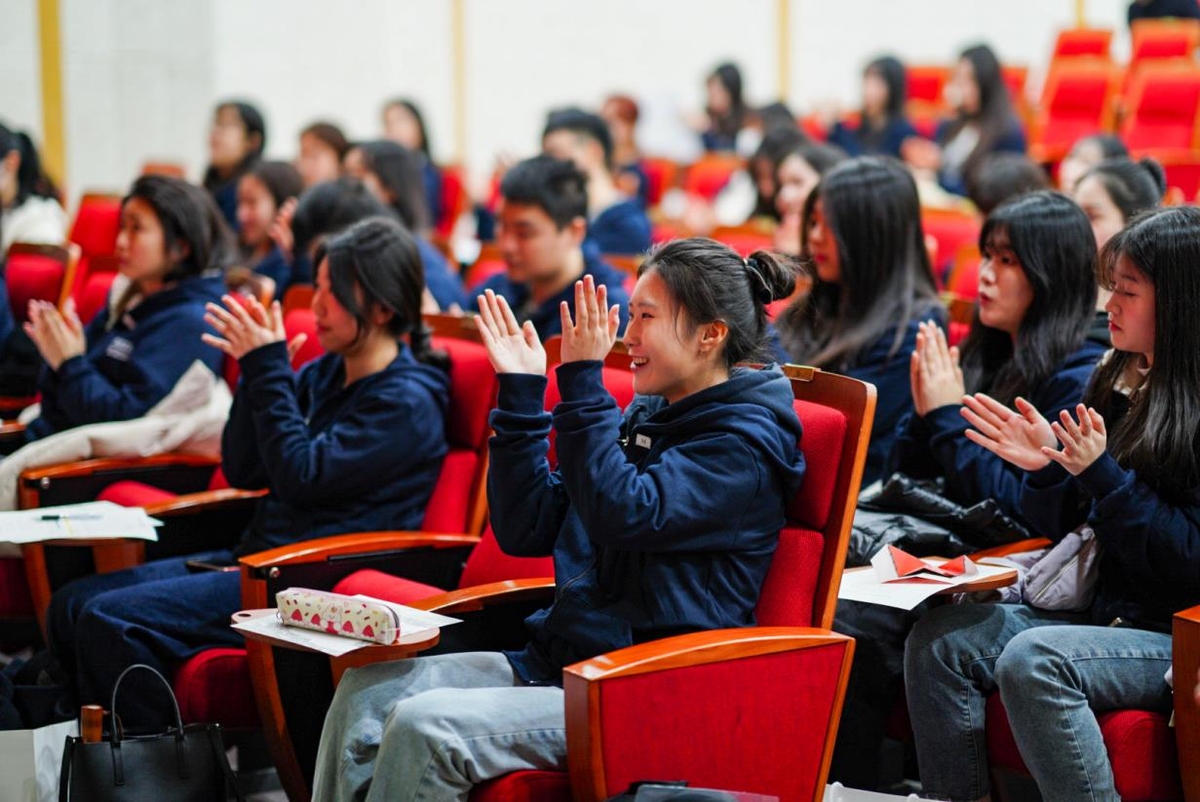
<point x="945" y="420"/>
<point x="1045" y="477"/>
<point x="264" y="358"/>
<point x="1102" y="477"/>
<point x="580" y="380"/>
<point x="522" y="392"/>
<point x="70" y="368"/>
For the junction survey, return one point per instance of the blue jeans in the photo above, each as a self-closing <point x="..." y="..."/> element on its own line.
<point x="159" y="614"/>
<point x="430" y="728"/>
<point x="1053" y="673"/>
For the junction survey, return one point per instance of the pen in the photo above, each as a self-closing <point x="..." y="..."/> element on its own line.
<point x="83" y="517"/>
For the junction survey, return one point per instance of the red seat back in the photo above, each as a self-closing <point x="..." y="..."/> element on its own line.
<point x="1082" y="42"/>
<point x="1163" y="106"/>
<point x="454" y="200"/>
<point x="33" y="272"/>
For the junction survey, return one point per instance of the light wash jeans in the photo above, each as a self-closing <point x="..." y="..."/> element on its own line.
<point x="1053" y="672"/>
<point x="430" y="728"/>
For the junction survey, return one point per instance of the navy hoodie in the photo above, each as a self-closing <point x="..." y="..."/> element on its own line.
<point x="336" y="459"/>
<point x="936" y="446"/>
<point x="660" y="523"/>
<point x="547" y="319"/>
<point x="1150" y="548"/>
<point x="622" y="228"/>
<point x="133" y="363"/>
<point x="850" y="138"/>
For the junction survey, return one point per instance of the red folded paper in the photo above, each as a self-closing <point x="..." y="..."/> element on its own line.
<point x="908" y="565"/>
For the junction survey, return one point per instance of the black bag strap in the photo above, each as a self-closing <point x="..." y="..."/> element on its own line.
<point x="64" y="772"/>
<point x="218" y="747"/>
<point x="117" y="733"/>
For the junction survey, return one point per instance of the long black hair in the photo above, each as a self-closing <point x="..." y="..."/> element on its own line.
<point x="710" y="281"/>
<point x="1131" y="186"/>
<point x="870" y="204"/>
<point x="376" y="264"/>
<point x="31" y="180"/>
<point x="891" y="71"/>
<point x="418" y="118"/>
<point x="255" y="125"/>
<point x="995" y="115"/>
<point x="730" y="78"/>
<point x="1158" y="436"/>
<point x="399" y="171"/>
<point x="1053" y="244"/>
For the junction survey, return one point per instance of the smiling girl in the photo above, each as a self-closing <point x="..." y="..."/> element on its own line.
<point x="645" y="544"/>
<point x="130" y="356"/>
<point x="872" y="285"/>
<point x="1127" y="464"/>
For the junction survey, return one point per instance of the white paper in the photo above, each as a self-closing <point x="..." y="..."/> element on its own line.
<point x="270" y="625"/>
<point x="863" y="585"/>
<point x="91" y="521"/>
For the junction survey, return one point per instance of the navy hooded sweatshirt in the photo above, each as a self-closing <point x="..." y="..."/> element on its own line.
<point x="335" y="459"/>
<point x="622" y="228"/>
<point x="660" y="523"/>
<point x="133" y="363"/>
<point x="1149" y="565"/>
<point x="936" y="445"/>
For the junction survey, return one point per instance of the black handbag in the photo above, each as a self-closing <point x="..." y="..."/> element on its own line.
<point x="186" y="764"/>
<point x="915" y="516"/>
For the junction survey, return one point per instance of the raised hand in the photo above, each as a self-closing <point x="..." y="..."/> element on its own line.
<point x="511" y="347"/>
<point x="592" y="334"/>
<point x="1022" y="437"/>
<point x="246" y="326"/>
<point x="58" y="337"/>
<point x="1082" y="442"/>
<point x="934" y="372"/>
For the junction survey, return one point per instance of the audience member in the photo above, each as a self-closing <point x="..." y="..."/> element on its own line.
<point x="322" y="148"/>
<point x="262" y="192"/>
<point x="620" y="113"/>
<point x="1001" y="177"/>
<point x="797" y="172"/>
<point x="28" y="198"/>
<point x="404" y="124"/>
<point x="725" y="108"/>
<point x="1085" y="154"/>
<point x="882" y="126"/>
<point x="235" y="142"/>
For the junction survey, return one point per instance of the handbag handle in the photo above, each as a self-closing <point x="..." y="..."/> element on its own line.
<point x="117" y="734"/>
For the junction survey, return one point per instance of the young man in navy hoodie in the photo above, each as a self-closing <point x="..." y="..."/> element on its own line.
<point x="542" y="224"/>
<point x="618" y="224"/>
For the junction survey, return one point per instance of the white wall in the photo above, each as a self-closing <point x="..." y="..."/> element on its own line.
<point x="141" y="76"/>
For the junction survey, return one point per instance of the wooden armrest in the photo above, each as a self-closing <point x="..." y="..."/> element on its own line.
<point x="1031" y="544"/>
<point x="88" y="467"/>
<point x="491" y="595"/>
<point x="1185" y="659"/>
<point x="12" y="428"/>
<point x="194" y="503"/>
<point x="319" y="549"/>
<point x="701" y="648"/>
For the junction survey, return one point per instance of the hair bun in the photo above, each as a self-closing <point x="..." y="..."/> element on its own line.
<point x="772" y="277"/>
<point x="1156" y="172"/>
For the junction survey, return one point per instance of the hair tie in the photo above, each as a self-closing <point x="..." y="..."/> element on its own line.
<point x="759" y="287"/>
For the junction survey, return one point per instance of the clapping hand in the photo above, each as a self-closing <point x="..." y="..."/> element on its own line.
<point x="1082" y="442"/>
<point x="1022" y="437"/>
<point x="511" y="347"/>
<point x="246" y="326"/>
<point x="58" y="337"/>
<point x="592" y="334"/>
<point x="934" y="372"/>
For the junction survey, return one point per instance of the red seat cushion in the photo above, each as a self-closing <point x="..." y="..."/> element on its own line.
<point x="214" y="686"/>
<point x="378" y="585"/>
<point x="525" y="786"/>
<point x="821" y="443"/>
<point x="488" y="564"/>
<point x="31" y="276"/>
<point x="134" y="494"/>
<point x="1141" y="748"/>
<point x="15" y="601"/>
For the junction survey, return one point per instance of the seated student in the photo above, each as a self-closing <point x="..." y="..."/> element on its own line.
<point x="393" y="174"/>
<point x="235" y="142"/>
<point x="725" y="111"/>
<point x="983" y="122"/>
<point x="28" y="198"/>
<point x="798" y="170"/>
<point x="404" y="125"/>
<point x="322" y="148"/>
<point x="620" y="114"/>
<point x="1032" y="337"/>
<point x="1155" y="9"/>
<point x="882" y="127"/>
<point x="616" y="224"/>
<point x="135" y="350"/>
<point x="353" y="443"/>
<point x="872" y="286"/>
<point x="543" y="224"/>
<point x="1085" y="154"/>
<point x="1129" y="468"/>
<point x="648" y="540"/>
<point x="262" y="192"/>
